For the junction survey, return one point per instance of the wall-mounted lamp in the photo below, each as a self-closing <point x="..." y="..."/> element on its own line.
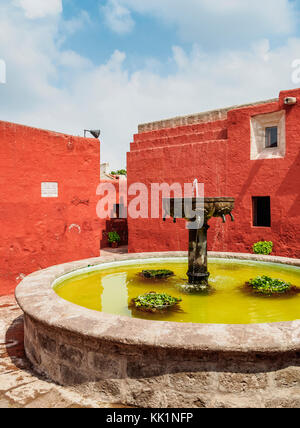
<point x="95" y="132"/>
<point x="290" y="101"/>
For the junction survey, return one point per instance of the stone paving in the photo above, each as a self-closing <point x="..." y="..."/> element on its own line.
<point x="20" y="387"/>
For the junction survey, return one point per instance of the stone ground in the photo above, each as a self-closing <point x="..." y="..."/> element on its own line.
<point x="20" y="387"/>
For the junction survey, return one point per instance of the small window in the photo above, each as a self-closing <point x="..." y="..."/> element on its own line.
<point x="261" y="211"/>
<point x="271" y="137"/>
<point x="117" y="210"/>
<point x="268" y="136"/>
<point x="120" y="211"/>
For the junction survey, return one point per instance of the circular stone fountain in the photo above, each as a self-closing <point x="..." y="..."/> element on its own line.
<point x="158" y="364"/>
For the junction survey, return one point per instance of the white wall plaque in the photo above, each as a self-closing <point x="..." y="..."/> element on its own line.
<point x="49" y="190"/>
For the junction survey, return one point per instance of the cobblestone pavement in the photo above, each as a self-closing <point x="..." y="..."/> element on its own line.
<point x="20" y="387"/>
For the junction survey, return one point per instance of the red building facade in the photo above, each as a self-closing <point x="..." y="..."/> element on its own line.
<point x="234" y="153"/>
<point x="48" y="185"/>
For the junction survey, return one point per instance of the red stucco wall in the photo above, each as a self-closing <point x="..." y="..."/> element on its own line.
<point x="218" y="154"/>
<point x="37" y="232"/>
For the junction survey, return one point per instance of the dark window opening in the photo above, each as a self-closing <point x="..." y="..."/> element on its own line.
<point x="261" y="211"/>
<point x="120" y="210"/>
<point x="271" y="137"/>
<point x="117" y="210"/>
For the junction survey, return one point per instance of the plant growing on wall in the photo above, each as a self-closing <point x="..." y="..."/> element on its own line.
<point x="270" y="286"/>
<point x="263" y="247"/>
<point x="119" y="172"/>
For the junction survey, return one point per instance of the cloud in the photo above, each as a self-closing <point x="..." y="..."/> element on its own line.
<point x="71" y="59"/>
<point x="40" y="8"/>
<point x="220" y="23"/>
<point x="77" y="23"/>
<point x="56" y="88"/>
<point x="118" y="18"/>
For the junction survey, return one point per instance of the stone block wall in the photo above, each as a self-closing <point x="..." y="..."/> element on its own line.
<point x="145" y="376"/>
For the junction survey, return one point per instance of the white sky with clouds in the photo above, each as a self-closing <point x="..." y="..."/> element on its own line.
<point x="224" y="52"/>
<point x="39" y="9"/>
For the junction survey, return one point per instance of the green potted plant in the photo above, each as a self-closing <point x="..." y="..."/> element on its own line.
<point x="263" y="247"/>
<point x="114" y="239"/>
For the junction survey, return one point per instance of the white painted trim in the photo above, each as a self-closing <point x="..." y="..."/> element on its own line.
<point x="259" y="124"/>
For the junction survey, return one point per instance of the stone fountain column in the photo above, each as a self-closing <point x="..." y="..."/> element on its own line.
<point x="198" y="273"/>
<point x="213" y="207"/>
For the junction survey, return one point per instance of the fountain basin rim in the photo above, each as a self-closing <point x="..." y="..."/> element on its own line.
<point x="38" y="300"/>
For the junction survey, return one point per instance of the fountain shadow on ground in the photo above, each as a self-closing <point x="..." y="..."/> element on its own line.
<point x="14" y="348"/>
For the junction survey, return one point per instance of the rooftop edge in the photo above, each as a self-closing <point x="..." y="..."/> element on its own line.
<point x="197" y="118"/>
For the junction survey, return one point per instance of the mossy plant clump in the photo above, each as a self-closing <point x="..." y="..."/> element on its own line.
<point x="263" y="247"/>
<point x="203" y="289"/>
<point x="270" y="286"/>
<point x="157" y="274"/>
<point x="155" y="302"/>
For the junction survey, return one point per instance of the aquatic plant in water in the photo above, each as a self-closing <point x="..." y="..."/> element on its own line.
<point x="157" y="274"/>
<point x="270" y="286"/>
<point x="153" y="302"/>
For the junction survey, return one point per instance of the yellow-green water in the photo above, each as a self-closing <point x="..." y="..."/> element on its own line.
<point x="111" y="290"/>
